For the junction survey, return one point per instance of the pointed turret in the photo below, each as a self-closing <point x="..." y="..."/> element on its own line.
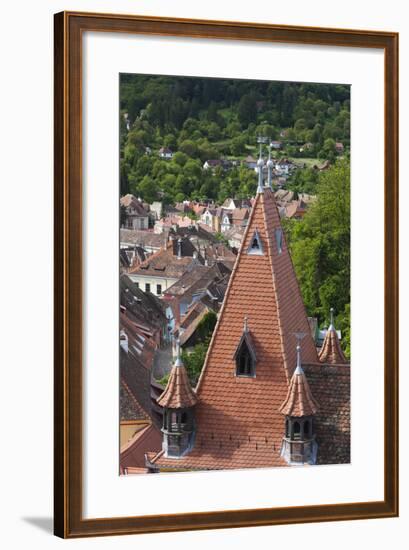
<point x="178" y="400"/>
<point x="299" y="407"/>
<point x="178" y="392"/>
<point x="299" y="401"/>
<point x="331" y="351"/>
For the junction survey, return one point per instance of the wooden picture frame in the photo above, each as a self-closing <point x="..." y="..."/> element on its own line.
<point x="68" y="339"/>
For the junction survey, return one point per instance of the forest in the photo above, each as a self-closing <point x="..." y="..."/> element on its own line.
<point x="201" y="119"/>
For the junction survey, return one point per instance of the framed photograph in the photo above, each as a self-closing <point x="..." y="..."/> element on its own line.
<point x="226" y="274"/>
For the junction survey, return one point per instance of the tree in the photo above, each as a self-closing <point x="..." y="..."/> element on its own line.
<point x="247" y="109"/>
<point x="328" y="151"/>
<point x="180" y="158"/>
<point x="188" y="147"/>
<point x="320" y="246"/>
<point x="148" y="189"/>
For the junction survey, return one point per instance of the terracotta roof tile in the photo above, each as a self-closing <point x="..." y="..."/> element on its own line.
<point x="299" y="400"/>
<point x="331" y="385"/>
<point x="133" y="453"/>
<point x="130" y="408"/>
<point x="178" y="393"/>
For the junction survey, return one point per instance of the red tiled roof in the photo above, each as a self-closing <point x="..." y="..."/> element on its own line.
<point x="130" y="408"/>
<point x="263" y="288"/>
<point x="192" y="326"/>
<point x="164" y="263"/>
<point x="223" y="453"/>
<point x="133" y="453"/>
<point x="178" y="393"/>
<point x="330" y="384"/>
<point x="299" y="400"/>
<point x="331" y="351"/>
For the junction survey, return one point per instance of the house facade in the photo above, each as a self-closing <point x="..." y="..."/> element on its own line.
<point x="136" y="216"/>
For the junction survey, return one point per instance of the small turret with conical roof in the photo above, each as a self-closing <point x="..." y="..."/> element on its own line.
<point x="178" y="401"/>
<point x="299" y="407"/>
<point x="331" y="351"/>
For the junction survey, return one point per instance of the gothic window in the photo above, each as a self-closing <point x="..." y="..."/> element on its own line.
<point x="245" y="364"/>
<point x="255" y="246"/>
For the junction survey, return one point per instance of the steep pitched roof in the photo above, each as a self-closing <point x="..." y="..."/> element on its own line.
<point x="190" y="329"/>
<point x="299" y="400"/>
<point x="238" y="418"/>
<point x="133" y="453"/>
<point x="129" y="406"/>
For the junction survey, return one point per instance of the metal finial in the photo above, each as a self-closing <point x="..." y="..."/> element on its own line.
<point x="331" y="326"/>
<point x="178" y="362"/>
<point x="269" y="169"/>
<point x="245" y="327"/>
<point x="298" y="356"/>
<point x="298" y="368"/>
<point x="299" y="336"/>
<point x="260" y="187"/>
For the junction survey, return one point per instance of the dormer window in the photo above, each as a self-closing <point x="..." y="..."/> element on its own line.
<point x="244" y="362"/>
<point x="255" y="247"/>
<point x="245" y="356"/>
